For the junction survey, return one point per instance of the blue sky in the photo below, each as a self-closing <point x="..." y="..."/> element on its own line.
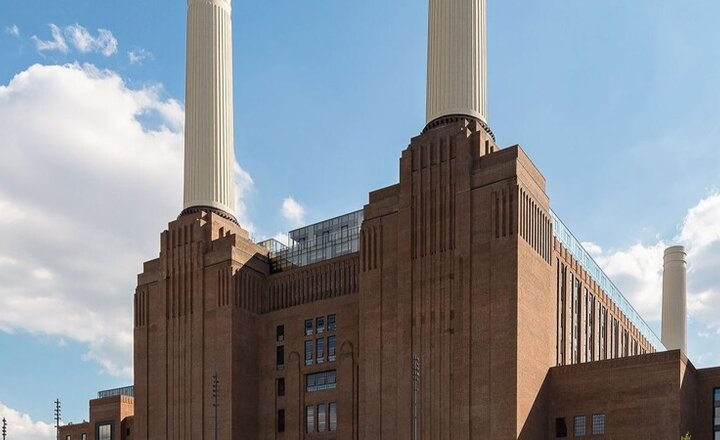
<point x="617" y="103"/>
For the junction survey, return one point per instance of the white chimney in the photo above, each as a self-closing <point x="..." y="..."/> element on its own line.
<point x="209" y="146"/>
<point x="456" y="77"/>
<point x="674" y="305"/>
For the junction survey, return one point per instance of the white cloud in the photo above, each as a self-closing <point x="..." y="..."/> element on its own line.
<point x="13" y="30"/>
<point x="90" y="188"/>
<point x="137" y="56"/>
<point x="22" y="427"/>
<point x="637" y="270"/>
<point x="104" y="43"/>
<point x="293" y="212"/>
<point x="57" y="43"/>
<point x="80" y="38"/>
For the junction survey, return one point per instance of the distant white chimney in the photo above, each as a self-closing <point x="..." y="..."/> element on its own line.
<point x="674" y="305"/>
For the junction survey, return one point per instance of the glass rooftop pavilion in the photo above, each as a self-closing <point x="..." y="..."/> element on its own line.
<point x="340" y="236"/>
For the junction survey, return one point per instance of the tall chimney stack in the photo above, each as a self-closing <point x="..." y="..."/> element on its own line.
<point x="209" y="145"/>
<point x="674" y="305"/>
<point x="456" y="77"/>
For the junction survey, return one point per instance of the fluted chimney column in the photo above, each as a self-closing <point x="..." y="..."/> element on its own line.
<point x="456" y="78"/>
<point x="674" y="306"/>
<point x="209" y="147"/>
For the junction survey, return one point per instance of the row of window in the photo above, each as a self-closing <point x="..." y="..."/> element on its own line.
<point x="317" y="419"/>
<point x="580" y="428"/>
<point x="319" y="327"/>
<point x="584" y="310"/>
<point x="319" y="345"/>
<point x="103" y="432"/>
<point x="324" y="380"/>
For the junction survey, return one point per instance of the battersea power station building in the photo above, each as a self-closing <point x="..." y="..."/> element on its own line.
<point x="455" y="305"/>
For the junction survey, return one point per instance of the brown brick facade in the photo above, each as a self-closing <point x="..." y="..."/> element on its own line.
<point x="458" y="266"/>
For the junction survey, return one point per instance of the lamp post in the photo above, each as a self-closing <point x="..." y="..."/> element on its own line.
<point x="415" y="375"/>
<point x="215" y="390"/>
<point x="57" y="418"/>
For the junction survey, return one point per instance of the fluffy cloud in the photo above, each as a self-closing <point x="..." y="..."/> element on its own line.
<point x="57" y="43"/>
<point x="293" y="211"/>
<point x="22" y="427"/>
<point x="13" y="30"/>
<point x="137" y="56"/>
<point x="91" y="173"/>
<point x="637" y="270"/>
<point x="81" y="39"/>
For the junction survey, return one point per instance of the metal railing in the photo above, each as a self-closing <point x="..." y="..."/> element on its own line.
<point x="124" y="391"/>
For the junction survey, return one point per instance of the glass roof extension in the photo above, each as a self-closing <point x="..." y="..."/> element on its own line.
<point x="317" y="242"/>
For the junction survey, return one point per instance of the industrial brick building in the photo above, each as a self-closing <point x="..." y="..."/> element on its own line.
<point x="454" y="305"/>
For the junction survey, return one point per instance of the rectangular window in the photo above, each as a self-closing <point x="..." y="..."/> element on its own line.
<point x="598" y="424"/>
<point x="308" y="352"/>
<point x="310" y="419"/>
<point x="561" y="289"/>
<point x="579" y="426"/>
<point x="321" y="417"/>
<point x="324" y="380"/>
<point x="308" y="327"/>
<point x="560" y="427"/>
<point x="320" y="325"/>
<point x="320" y="350"/>
<point x="280" y="387"/>
<point x="332" y="410"/>
<point x="331" y="323"/>
<point x="280" y="357"/>
<point x="717" y="413"/>
<point x="280" y="333"/>
<point x="331" y="349"/>
<point x="603" y="333"/>
<point x="104" y="432"/>
<point x="281" y="420"/>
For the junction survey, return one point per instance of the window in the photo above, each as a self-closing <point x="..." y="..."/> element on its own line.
<point x="67" y="437"/>
<point x="332" y="410"/>
<point x="308" y="352"/>
<point x="331" y="348"/>
<point x="717" y="413"/>
<point x="104" y="431"/>
<point x="331" y="323"/>
<point x="308" y="327"/>
<point x="560" y="427"/>
<point x="281" y="420"/>
<point x="321" y="417"/>
<point x="280" y="357"/>
<point x="83" y="436"/>
<point x="324" y="380"/>
<point x="320" y="350"/>
<point x="310" y="419"/>
<point x="280" y="387"/>
<point x="280" y="333"/>
<point x="598" y="424"/>
<point x="320" y="325"/>
<point x="579" y="426"/>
